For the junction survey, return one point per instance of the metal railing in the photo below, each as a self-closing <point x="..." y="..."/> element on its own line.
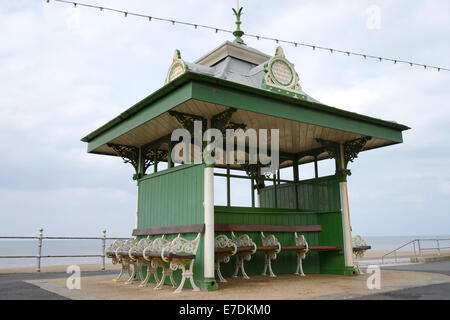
<point x="41" y="237"/>
<point x="418" y="249"/>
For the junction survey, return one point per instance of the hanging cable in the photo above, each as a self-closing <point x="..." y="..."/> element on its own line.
<point x="257" y="37"/>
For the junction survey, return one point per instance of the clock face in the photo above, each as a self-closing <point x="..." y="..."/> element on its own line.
<point x="282" y="72"/>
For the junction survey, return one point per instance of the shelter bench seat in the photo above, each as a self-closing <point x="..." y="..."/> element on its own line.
<point x="131" y="255"/>
<point x="243" y="247"/>
<point x="179" y="253"/>
<point x="359" y="249"/>
<point x="118" y="252"/>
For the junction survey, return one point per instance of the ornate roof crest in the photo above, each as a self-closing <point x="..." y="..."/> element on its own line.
<point x="177" y="68"/>
<point x="281" y="76"/>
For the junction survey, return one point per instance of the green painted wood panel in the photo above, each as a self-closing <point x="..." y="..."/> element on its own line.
<point x="322" y="197"/>
<point x="286" y="261"/>
<point x="171" y="198"/>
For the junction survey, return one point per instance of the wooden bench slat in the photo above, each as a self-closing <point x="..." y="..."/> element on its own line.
<point x="325" y="248"/>
<point x="267" y="249"/>
<point x="186" y="229"/>
<point x="224" y="250"/>
<point x="180" y="256"/>
<point x="167" y="255"/>
<point x="230" y="250"/>
<point x="361" y="248"/>
<point x="266" y="228"/>
<point x="122" y="253"/>
<point x="137" y="254"/>
<point x="244" y="249"/>
<point x="293" y="248"/>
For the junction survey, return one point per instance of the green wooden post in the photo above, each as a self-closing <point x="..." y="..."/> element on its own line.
<point x="275" y="196"/>
<point x="155" y="160"/>
<point x="337" y="164"/>
<point x="228" y="187"/>
<point x="169" y="156"/>
<point x="295" y="167"/>
<point x="139" y="175"/>
<point x="141" y="163"/>
<point x="278" y="176"/>
<point x="316" y="168"/>
<point x="296" y="178"/>
<point x="253" y="192"/>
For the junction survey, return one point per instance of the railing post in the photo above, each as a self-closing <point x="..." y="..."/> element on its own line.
<point x="438" y="248"/>
<point x="420" y="249"/>
<point x="103" y="249"/>
<point x="415" y="254"/>
<point x="38" y="267"/>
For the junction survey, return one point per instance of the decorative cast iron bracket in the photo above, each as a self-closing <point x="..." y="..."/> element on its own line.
<point x="331" y="147"/>
<point x="187" y="120"/>
<point x="351" y="150"/>
<point x="149" y="157"/>
<point x="129" y="154"/>
<point x="254" y="172"/>
<point x="222" y="121"/>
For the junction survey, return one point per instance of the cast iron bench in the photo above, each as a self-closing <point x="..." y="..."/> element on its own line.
<point x="129" y="254"/>
<point x="359" y="248"/>
<point x="180" y="253"/>
<point x="118" y="252"/>
<point x="245" y="247"/>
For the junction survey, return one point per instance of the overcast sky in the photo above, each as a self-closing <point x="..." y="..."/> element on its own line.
<point x="65" y="71"/>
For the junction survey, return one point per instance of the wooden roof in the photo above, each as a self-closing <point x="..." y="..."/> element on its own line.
<point x="299" y="122"/>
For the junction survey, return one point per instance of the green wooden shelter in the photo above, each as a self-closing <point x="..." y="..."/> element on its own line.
<point x="235" y="86"/>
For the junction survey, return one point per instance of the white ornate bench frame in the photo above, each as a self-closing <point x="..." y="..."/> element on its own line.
<point x="223" y="242"/>
<point x="243" y="241"/>
<point x="180" y="245"/>
<point x="270" y="241"/>
<point x="300" y="241"/>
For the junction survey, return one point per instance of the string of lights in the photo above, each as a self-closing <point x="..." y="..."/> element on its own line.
<point x="257" y="37"/>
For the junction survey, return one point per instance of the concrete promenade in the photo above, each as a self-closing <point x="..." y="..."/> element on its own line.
<point x="413" y="281"/>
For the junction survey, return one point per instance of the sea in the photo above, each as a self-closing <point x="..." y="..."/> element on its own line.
<point x="71" y="247"/>
<point x="49" y="247"/>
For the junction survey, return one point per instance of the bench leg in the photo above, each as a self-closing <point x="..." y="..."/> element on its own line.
<point x="219" y="260"/>
<point x="144" y="282"/>
<point x="219" y="274"/>
<point x="166" y="272"/>
<point x="150" y="271"/>
<point x="125" y="266"/>
<point x="120" y="275"/>
<point x="240" y="265"/>
<point x="356" y="262"/>
<point x="139" y="268"/>
<point x="236" y="270"/>
<point x="268" y="265"/>
<point x="187" y="274"/>
<point x="299" y="271"/>
<point x="133" y="274"/>
<point x="265" y="266"/>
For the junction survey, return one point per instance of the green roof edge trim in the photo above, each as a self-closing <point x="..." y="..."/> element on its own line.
<point x="180" y="81"/>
